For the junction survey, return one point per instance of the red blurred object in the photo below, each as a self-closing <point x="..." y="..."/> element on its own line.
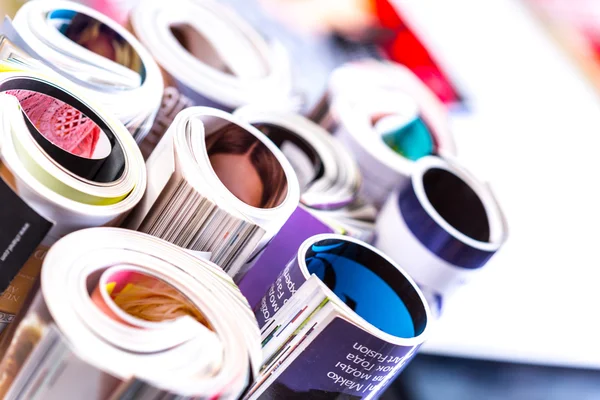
<point x="387" y="15"/>
<point x="575" y="26"/>
<point x="404" y="47"/>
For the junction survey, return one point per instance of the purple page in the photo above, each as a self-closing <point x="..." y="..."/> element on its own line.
<point x="284" y="247"/>
<point x="343" y="362"/>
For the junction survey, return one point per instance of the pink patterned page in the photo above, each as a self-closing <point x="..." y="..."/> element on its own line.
<point x="63" y="125"/>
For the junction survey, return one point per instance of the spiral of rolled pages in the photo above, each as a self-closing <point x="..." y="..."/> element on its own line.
<point x="444" y="227"/>
<point x="388" y="119"/>
<point x="65" y="164"/>
<point x="210" y="56"/>
<point x="219" y="186"/>
<point x="323" y="305"/>
<point x="329" y="178"/>
<point x="172" y="227"/>
<point x="112" y="335"/>
<point x="101" y="58"/>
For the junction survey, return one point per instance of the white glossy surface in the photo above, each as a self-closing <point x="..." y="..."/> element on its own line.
<point x="534" y="134"/>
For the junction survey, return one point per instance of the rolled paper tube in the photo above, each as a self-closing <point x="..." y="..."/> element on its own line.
<point x="329" y="183"/>
<point x="329" y="177"/>
<point x="52" y="192"/>
<point x="339" y="303"/>
<point x="121" y="171"/>
<point x="210" y="56"/>
<point x="219" y="185"/>
<point x="443" y="227"/>
<point x="97" y="55"/>
<point x="361" y="94"/>
<point x="211" y="352"/>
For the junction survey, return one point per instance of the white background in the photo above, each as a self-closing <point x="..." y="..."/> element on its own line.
<point x="534" y="134"/>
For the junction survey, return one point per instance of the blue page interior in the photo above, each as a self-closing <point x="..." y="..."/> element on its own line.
<point x="367" y="293"/>
<point x="61" y="19"/>
<point x="412" y="140"/>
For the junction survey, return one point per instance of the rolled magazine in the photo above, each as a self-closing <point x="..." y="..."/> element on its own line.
<point x="124" y="315"/>
<point x="442" y="227"/>
<point x="329" y="184"/>
<point x="328" y="175"/>
<point x="217" y="185"/>
<point x="64" y="165"/>
<point x="341" y="321"/>
<point x="210" y="57"/>
<point x="105" y="61"/>
<point x="388" y="119"/>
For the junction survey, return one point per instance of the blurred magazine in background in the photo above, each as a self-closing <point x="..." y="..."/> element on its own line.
<point x="385" y="25"/>
<point x="10" y="7"/>
<point x="575" y="25"/>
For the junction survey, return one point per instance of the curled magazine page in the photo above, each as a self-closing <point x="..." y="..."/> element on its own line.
<point x="220" y="186"/>
<point x="387" y="118"/>
<point x="219" y="200"/>
<point x="65" y="164"/>
<point x="267" y="268"/>
<point x="329" y="184"/>
<point x="342" y="319"/>
<point x="97" y="55"/>
<point x="210" y="56"/>
<point x="179" y="327"/>
<point x="341" y="362"/>
<point x="443" y="227"/>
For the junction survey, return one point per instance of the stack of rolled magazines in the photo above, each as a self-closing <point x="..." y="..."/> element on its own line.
<point x="65" y="164"/>
<point x="173" y="228"/>
<point x="97" y="55"/>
